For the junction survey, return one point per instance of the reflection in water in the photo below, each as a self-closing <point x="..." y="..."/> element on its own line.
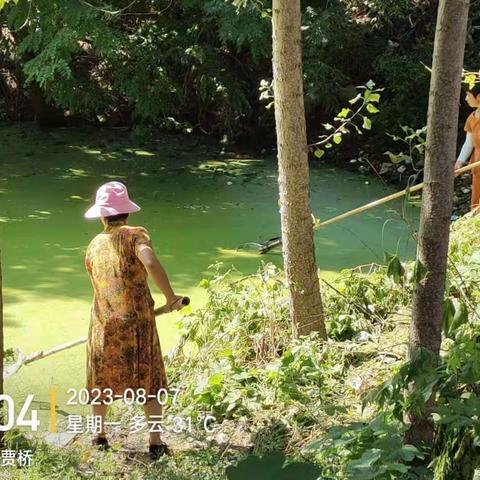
<point x="197" y="205"/>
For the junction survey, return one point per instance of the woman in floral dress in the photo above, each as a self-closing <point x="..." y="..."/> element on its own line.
<point x="123" y="349"/>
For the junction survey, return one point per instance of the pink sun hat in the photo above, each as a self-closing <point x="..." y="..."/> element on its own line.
<point x="112" y="199"/>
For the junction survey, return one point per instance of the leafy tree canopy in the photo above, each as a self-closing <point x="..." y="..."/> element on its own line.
<point x="198" y="65"/>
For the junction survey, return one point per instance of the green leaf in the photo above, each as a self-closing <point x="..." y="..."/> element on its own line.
<point x="419" y="272"/>
<point x="455" y="314"/>
<point x="372" y="97"/>
<point x="344" y="113"/>
<point x="397" y="467"/>
<point x="372" y="108"/>
<point x="319" y="153"/>
<point x="227" y="352"/>
<point x="216" y="379"/>
<point x="367" y="460"/>
<point x="470" y="80"/>
<point x="394" y="267"/>
<point x="409" y="452"/>
<point x="367" y="123"/>
<point x="337" y="138"/>
<point x="397" y="159"/>
<point x="356" y="99"/>
<point x="448" y="314"/>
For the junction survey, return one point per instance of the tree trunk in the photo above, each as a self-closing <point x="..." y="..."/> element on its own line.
<point x="45" y="114"/>
<point x="433" y="236"/>
<point x="297" y="224"/>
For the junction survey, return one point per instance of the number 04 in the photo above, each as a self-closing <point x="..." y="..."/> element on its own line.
<point x="21" y="420"/>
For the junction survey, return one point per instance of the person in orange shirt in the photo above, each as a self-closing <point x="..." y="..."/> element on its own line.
<point x="471" y="148"/>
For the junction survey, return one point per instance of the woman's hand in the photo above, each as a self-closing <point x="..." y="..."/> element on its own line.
<point x="459" y="164"/>
<point x="174" y="303"/>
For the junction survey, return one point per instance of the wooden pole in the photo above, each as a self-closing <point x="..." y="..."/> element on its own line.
<point x="275" y="242"/>
<point x="46" y="353"/>
<point x="388" y="198"/>
<point x="178" y="305"/>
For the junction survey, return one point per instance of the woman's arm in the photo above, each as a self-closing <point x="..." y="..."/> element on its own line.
<point x="466" y="151"/>
<point x="157" y="273"/>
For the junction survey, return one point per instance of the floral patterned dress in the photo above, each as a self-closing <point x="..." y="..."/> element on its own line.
<point x="123" y="348"/>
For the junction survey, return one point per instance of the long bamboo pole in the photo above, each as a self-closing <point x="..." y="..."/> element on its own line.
<point x="46" y="353"/>
<point x="33" y="357"/>
<point x="388" y="198"/>
<point x="275" y="242"/>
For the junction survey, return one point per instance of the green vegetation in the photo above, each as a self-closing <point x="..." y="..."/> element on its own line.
<point x="207" y="64"/>
<point x="251" y="368"/>
<point x="337" y="404"/>
<point x="372" y="376"/>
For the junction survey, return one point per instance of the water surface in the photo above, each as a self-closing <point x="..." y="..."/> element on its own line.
<point x="198" y="205"/>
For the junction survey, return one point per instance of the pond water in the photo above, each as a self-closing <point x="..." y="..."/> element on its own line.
<point x="198" y="205"/>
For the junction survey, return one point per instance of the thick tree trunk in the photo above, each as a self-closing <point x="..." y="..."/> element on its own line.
<point x="433" y="237"/>
<point x="297" y="224"/>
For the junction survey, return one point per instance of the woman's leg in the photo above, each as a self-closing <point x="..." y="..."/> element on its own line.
<point x="153" y="411"/>
<point x="100" y="411"/>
